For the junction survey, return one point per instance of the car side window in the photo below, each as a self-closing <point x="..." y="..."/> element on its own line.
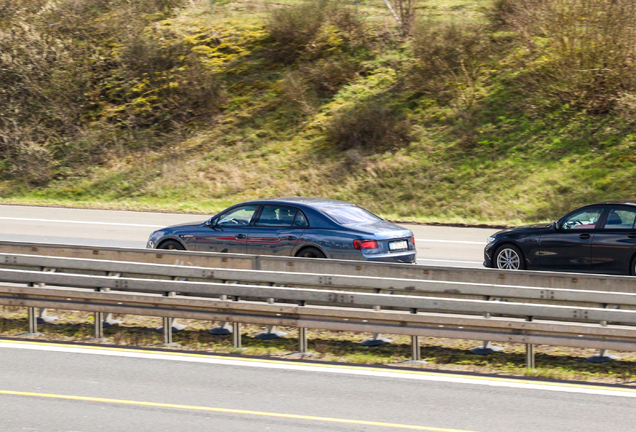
<point x="620" y="219"/>
<point x="301" y="220"/>
<point x="238" y="217"/>
<point x="586" y="219"/>
<point x="276" y="216"/>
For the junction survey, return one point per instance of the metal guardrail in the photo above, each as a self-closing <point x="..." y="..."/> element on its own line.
<point x="573" y="281"/>
<point x="307" y="316"/>
<point x="363" y="283"/>
<point x="339" y="298"/>
<point x="412" y="315"/>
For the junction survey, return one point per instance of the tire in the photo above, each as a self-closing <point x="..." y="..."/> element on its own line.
<point x="509" y="257"/>
<point x="310" y="252"/>
<point x="632" y="267"/>
<point x="172" y="245"/>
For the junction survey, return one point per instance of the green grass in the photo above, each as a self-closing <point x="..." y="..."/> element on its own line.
<point x="512" y="155"/>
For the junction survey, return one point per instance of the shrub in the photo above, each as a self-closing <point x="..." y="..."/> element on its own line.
<point x="313" y="29"/>
<point x="56" y="60"/>
<point x="295" y="28"/>
<point x="450" y="59"/>
<point x="501" y="14"/>
<point x="327" y="76"/>
<point x="582" y="51"/>
<point x="370" y="125"/>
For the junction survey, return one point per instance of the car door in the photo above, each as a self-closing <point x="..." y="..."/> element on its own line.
<point x="227" y="232"/>
<point x="614" y="243"/>
<point x="569" y="246"/>
<point x="276" y="231"/>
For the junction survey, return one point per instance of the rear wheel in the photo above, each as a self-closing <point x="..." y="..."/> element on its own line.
<point x="310" y="252"/>
<point x="509" y="257"/>
<point x="171" y="244"/>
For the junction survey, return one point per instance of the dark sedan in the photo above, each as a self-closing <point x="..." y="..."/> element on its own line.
<point x="597" y="238"/>
<point x="302" y="227"/>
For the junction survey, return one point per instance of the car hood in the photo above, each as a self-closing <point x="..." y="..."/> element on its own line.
<point x="381" y="229"/>
<point x="187" y="224"/>
<point x="526" y="229"/>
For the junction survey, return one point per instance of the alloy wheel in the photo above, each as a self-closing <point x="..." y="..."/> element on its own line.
<point x="508" y="259"/>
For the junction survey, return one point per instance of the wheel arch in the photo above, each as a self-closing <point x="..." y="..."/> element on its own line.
<point x="632" y="262"/>
<point x="310" y="246"/>
<point x="165" y="239"/>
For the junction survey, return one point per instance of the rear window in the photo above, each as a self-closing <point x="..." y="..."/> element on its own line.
<point x="349" y="215"/>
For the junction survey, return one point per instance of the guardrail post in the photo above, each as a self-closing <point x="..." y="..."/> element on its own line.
<point x="168" y="326"/>
<point x="107" y="317"/>
<point x="236" y="331"/>
<point x="376" y="339"/>
<point x="271" y="332"/>
<point x="303" y="343"/>
<point x="487" y="347"/>
<point x="167" y="331"/>
<point x="236" y="335"/>
<point x="99" y="326"/>
<point x="176" y="326"/>
<point x="603" y="356"/>
<point x="416" y="350"/>
<point x="99" y="320"/>
<point x="33" y="322"/>
<point x="222" y="329"/>
<point x="529" y="352"/>
<point x="43" y="316"/>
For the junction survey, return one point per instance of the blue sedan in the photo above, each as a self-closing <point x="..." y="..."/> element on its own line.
<point x="302" y="227"/>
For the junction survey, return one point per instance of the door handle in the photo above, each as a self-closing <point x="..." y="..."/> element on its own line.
<point x="291" y="238"/>
<point x="631" y="235"/>
<point x="584" y="236"/>
<point x="240" y="236"/>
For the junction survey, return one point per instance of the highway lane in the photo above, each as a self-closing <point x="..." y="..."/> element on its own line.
<point x="86" y="389"/>
<point x="444" y="246"/>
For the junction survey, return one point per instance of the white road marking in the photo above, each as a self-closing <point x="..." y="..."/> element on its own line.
<point x="482" y="243"/>
<point x="83" y="222"/>
<point x="347" y="370"/>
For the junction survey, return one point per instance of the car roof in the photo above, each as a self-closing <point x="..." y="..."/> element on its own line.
<point x="629" y="203"/>
<point x="307" y="201"/>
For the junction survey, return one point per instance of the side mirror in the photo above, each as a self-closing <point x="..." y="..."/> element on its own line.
<point x="211" y="222"/>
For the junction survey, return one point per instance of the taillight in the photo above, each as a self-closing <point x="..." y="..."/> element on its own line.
<point x="413" y="239"/>
<point x="365" y="244"/>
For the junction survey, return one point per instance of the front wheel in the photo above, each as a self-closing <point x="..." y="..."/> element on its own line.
<point x="509" y="257"/>
<point x="171" y="245"/>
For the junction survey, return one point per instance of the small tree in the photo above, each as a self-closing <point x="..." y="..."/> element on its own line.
<point x="404" y="13"/>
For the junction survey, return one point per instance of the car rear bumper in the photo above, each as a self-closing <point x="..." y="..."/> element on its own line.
<point x="401" y="257"/>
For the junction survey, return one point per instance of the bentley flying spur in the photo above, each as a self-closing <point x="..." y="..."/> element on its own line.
<point x="302" y="227"/>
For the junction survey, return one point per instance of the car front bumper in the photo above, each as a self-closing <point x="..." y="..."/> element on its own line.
<point x="489" y="253"/>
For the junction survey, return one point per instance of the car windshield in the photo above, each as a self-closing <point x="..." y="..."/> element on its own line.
<point x="350" y="214"/>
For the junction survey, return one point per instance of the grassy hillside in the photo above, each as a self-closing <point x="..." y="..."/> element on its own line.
<point x="471" y="111"/>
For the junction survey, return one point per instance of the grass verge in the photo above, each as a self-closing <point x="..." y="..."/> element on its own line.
<point x="441" y="354"/>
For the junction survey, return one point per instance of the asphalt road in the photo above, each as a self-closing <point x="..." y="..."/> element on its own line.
<point x="79" y="389"/>
<point x="444" y="246"/>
